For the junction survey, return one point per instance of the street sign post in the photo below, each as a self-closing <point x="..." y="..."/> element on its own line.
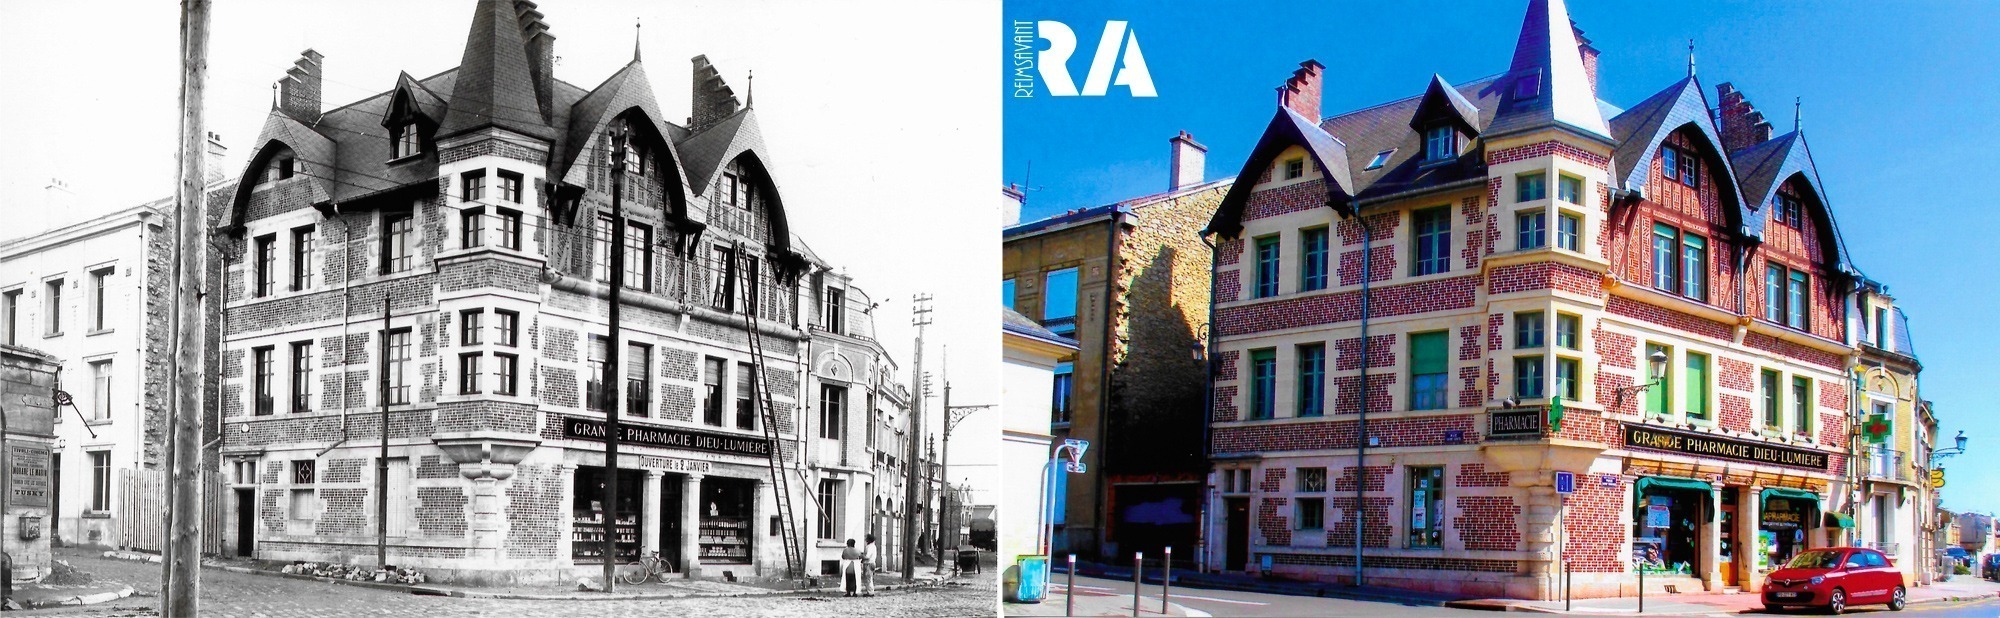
<point x="1565" y="482"/>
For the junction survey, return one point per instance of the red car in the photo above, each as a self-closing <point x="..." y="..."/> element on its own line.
<point x="1835" y="578"/>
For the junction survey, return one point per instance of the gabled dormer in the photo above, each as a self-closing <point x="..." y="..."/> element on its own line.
<point x="1446" y="120"/>
<point x="412" y="118"/>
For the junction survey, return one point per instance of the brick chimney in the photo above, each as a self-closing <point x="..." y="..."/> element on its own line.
<point x="299" y="92"/>
<point x="212" y="167"/>
<point x="1589" y="55"/>
<point x="1301" y="91"/>
<point x="541" y="53"/>
<point x="1189" y="156"/>
<point x="713" y="100"/>
<point x="1742" y="125"/>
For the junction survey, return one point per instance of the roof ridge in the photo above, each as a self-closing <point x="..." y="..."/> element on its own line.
<point x="1408" y="98"/>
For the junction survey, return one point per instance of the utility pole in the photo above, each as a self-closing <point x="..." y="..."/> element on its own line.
<point x="183" y="564"/>
<point x="921" y="317"/>
<point x="608" y="393"/>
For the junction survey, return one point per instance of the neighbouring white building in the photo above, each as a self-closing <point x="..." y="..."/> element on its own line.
<point x="1027" y="387"/>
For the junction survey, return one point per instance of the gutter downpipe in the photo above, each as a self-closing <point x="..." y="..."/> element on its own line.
<point x="1207" y="414"/>
<point x="1361" y="432"/>
<point x="346" y="298"/>
<point x="1111" y="233"/>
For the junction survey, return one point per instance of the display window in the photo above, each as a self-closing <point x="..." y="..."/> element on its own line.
<point x="727" y="518"/>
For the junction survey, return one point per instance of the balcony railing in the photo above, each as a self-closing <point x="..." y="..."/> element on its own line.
<point x="1888" y="465"/>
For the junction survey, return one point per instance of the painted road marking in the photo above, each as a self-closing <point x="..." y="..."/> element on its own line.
<point x="1180" y="597"/>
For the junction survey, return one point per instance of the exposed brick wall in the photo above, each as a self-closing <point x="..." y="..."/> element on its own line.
<point x="342" y="471"/>
<point x="1475" y="475"/>
<point x="1225" y="404"/>
<point x="1544" y="276"/>
<point x="1375" y="521"/>
<point x="1381" y="266"/>
<point x="1348" y="398"/>
<point x="1671" y="319"/>
<point x="1597" y="525"/>
<point x="1488" y="523"/>
<point x="441" y="511"/>
<point x="435" y="467"/>
<point x="1791" y="350"/>
<point x="1323" y="309"/>
<point x="1274" y="520"/>
<point x="1736" y="413"/>
<point x="1296" y="197"/>
<point x="535" y="512"/>
<point x="343" y="511"/>
<point x="1383" y="225"/>
<point x="1228" y="252"/>
<point x="1381" y="352"/>
<point x="1333" y="434"/>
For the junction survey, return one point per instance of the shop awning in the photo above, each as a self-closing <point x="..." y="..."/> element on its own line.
<point x="1656" y="483"/>
<point x="1789" y="494"/>
<point x="1839" y="520"/>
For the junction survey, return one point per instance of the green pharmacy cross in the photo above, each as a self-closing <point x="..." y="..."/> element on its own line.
<point x="1877" y="429"/>
<point x="1556" y="414"/>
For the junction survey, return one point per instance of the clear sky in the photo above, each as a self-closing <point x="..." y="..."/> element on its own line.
<point x="1900" y="104"/>
<point x="92" y="89"/>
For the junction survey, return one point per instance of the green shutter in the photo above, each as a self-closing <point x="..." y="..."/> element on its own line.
<point x="1427" y="353"/>
<point x="1697" y="385"/>
<point x="1658" y="398"/>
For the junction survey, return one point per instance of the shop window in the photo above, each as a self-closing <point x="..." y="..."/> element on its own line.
<point x="591" y="523"/>
<point x="726" y="521"/>
<point x="1312" y="379"/>
<point x="1666" y="528"/>
<point x="1426" y="506"/>
<point x="1429" y="365"/>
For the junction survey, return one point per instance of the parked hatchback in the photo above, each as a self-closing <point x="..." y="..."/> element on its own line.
<point x="1835" y="578"/>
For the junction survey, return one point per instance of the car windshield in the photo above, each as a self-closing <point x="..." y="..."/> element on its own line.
<point x="1815" y="560"/>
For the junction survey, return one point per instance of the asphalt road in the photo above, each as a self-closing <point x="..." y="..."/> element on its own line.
<point x="1229" y="603"/>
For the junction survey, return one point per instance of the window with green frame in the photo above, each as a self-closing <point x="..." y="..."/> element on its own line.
<point x="1312" y="379"/>
<point x="1802" y="417"/>
<point x="1660" y="398"/>
<point x="1774" y="410"/>
<point x="1696" y="383"/>
<point x="1567" y="384"/>
<point x="1263" y="383"/>
<point x="1567" y="329"/>
<point x="1429" y="365"/>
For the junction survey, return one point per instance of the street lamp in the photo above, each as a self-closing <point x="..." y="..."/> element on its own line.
<point x="1947" y="452"/>
<point x="1657" y="362"/>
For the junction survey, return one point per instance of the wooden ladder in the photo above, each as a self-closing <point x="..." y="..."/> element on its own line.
<point x="788" y="524"/>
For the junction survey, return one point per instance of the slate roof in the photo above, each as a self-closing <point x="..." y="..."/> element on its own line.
<point x="1546" y="84"/>
<point x="1762" y="168"/>
<point x="1640" y="130"/>
<point x="1012" y="321"/>
<point x="593" y="113"/>
<point x="494" y="86"/>
<point x="1442" y="100"/>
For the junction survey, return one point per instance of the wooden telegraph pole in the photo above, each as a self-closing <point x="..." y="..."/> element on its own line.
<point x="183" y="563"/>
<point x="921" y="317"/>
<point x="609" y="392"/>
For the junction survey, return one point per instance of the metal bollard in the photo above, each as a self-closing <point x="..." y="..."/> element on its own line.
<point x="1642" y="589"/>
<point x="1138" y="570"/>
<point x="1166" y="579"/>
<point x="1566" y="584"/>
<point x="1069" y="598"/>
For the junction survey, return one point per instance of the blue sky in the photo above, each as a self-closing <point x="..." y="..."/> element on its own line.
<point x="1899" y="100"/>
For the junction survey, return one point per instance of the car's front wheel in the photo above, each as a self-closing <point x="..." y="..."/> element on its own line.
<point x="1897" y="600"/>
<point x="1836" y="602"/>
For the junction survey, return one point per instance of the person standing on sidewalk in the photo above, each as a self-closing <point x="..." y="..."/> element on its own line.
<point x="871" y="554"/>
<point x="850" y="568"/>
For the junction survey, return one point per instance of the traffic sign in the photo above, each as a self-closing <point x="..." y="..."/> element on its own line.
<point x="1565" y="482"/>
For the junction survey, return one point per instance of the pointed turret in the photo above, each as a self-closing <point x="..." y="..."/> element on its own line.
<point x="495" y="85"/>
<point x="1547" y="84"/>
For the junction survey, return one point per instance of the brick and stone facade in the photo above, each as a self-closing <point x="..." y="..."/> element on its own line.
<point x="1545" y="252"/>
<point x="461" y="290"/>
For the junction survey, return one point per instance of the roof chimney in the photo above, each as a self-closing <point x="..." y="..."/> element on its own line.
<point x="1742" y="125"/>
<point x="299" y="92"/>
<point x="212" y="169"/>
<point x="1589" y="55"/>
<point x="1011" y="199"/>
<point x="713" y="100"/>
<point x="1301" y="92"/>
<point x="541" y="52"/>
<point x="1189" y="156"/>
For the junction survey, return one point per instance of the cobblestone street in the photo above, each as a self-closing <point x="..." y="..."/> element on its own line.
<point x="235" y="595"/>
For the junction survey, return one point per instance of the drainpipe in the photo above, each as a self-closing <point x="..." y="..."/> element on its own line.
<point x="1361" y="430"/>
<point x="1207" y="405"/>
<point x="346" y="288"/>
<point x="1104" y="379"/>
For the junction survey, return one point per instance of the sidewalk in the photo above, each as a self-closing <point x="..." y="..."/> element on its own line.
<point x="1961" y="588"/>
<point x="1094" y="603"/>
<point x="1184" y="578"/>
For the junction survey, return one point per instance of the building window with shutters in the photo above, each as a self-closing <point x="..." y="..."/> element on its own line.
<point x="1698" y="387"/>
<point x="746" y="408"/>
<point x="260" y="389"/>
<point x="711" y="390"/>
<point x="638" y="379"/>
<point x="1429" y="366"/>
<point x="832" y="412"/>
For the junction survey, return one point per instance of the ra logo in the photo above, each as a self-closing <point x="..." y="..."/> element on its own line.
<point x="1117" y="61"/>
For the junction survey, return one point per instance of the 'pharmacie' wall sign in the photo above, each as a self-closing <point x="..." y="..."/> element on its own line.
<point x="1704" y="445"/>
<point x="669" y="437"/>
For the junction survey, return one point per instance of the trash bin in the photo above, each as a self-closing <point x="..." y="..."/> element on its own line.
<point x="968" y="561"/>
<point x="1027" y="581"/>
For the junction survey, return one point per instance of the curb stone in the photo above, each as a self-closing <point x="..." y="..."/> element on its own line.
<point x="85" y="599"/>
<point x="1510" y="605"/>
<point x="421" y="589"/>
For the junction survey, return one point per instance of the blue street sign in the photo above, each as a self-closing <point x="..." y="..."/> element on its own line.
<point x="1565" y="482"/>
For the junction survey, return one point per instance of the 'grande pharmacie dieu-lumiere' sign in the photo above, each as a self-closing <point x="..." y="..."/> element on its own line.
<point x="669" y="437"/>
<point x="1704" y="445"/>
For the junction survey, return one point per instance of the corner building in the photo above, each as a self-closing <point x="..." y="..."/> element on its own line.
<point x="1450" y="264"/>
<point x="441" y="250"/>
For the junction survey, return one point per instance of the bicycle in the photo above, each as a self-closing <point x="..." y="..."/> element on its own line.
<point x="649" y="566"/>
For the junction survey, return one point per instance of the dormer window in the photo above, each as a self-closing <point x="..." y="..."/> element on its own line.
<point x="1681" y="165"/>
<point x="280" y="169"/>
<point x="635" y="159"/>
<point x="731" y="190"/>
<point x="406" y="142"/>
<point x="1789" y="211"/>
<point x="1440" y="143"/>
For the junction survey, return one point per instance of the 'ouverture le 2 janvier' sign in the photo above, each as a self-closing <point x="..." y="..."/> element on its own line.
<point x="1704" y="445"/>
